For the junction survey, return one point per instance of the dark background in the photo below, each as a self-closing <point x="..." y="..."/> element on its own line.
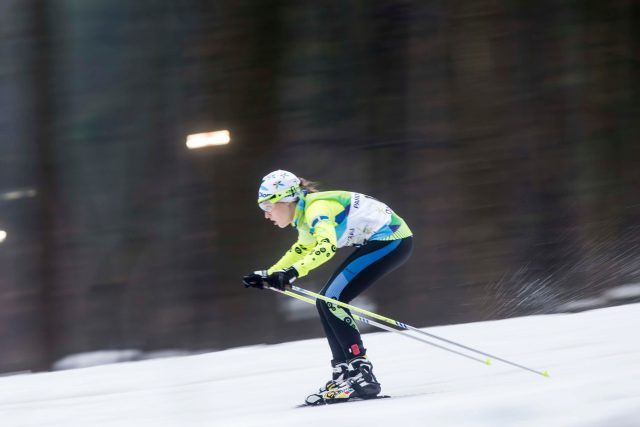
<point x="505" y="132"/>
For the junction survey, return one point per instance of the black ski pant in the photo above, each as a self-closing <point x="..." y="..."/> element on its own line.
<point x="360" y="270"/>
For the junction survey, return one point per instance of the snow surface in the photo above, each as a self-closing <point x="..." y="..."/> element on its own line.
<point x="593" y="358"/>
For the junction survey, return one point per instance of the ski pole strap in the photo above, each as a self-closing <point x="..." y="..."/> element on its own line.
<point x="412" y="328"/>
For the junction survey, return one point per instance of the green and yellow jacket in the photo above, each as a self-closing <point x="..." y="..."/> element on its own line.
<point x="329" y="220"/>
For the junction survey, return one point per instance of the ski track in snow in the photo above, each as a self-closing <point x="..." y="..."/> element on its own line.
<point x="593" y="358"/>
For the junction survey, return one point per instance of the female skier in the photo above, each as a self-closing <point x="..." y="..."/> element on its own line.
<point x="325" y="221"/>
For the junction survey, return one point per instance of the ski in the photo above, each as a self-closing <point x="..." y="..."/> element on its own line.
<point x="353" y="399"/>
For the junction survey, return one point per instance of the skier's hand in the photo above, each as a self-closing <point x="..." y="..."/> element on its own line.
<point x="257" y="279"/>
<point x="282" y="279"/>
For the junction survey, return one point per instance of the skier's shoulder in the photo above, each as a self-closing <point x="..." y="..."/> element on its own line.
<point x="338" y="200"/>
<point x="342" y="196"/>
<point x="326" y="203"/>
<point x="337" y="195"/>
<point x="323" y="199"/>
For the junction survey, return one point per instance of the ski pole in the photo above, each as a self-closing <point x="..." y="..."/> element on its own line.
<point x="412" y="328"/>
<point x="386" y="328"/>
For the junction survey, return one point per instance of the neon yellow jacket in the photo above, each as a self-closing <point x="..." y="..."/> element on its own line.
<point x="333" y="219"/>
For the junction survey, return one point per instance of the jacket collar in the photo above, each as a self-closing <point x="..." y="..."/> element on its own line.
<point x="299" y="212"/>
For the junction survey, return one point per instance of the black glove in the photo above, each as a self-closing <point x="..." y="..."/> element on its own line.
<point x="257" y="279"/>
<point x="282" y="279"/>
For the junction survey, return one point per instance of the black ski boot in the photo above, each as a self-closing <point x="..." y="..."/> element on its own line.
<point x="360" y="384"/>
<point x="361" y="378"/>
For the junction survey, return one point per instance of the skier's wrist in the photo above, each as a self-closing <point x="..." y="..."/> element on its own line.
<point x="282" y="279"/>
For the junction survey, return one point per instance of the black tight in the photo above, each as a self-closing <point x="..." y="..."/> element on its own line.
<point x="363" y="267"/>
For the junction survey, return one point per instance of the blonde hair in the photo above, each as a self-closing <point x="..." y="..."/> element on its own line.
<point x="308" y="186"/>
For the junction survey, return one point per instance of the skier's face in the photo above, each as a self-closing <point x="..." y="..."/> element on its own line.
<point x="281" y="214"/>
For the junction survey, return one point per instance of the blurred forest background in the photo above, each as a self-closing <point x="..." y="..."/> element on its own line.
<point x="505" y="132"/>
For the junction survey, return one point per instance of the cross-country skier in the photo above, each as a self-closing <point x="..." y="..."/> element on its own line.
<point x="326" y="221"/>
